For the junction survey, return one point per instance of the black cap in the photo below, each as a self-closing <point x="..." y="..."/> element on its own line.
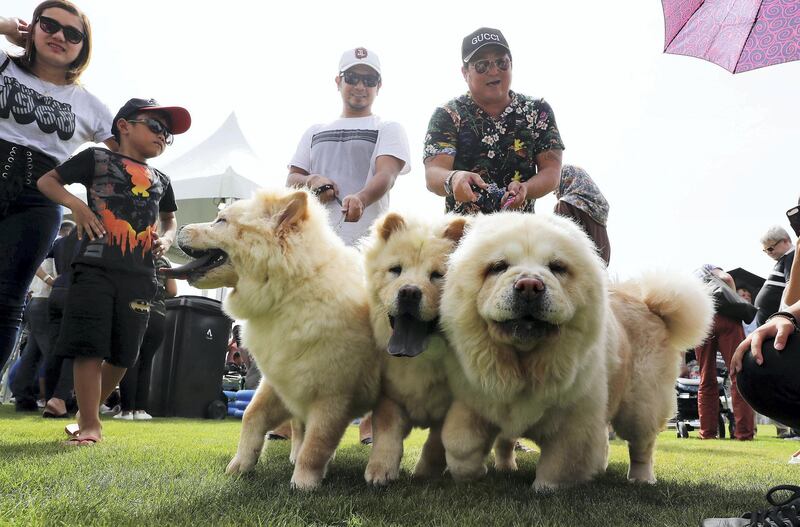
<point x="179" y="118"/>
<point x="484" y="36"/>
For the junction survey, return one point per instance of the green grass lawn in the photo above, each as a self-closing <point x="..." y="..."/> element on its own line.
<point x="170" y="472"/>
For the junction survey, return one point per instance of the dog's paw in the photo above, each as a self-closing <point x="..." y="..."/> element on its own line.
<point x="239" y="465"/>
<point x="463" y="472"/>
<point x="305" y="480"/>
<point x="542" y="486"/>
<point x="505" y="463"/>
<point x="641" y="473"/>
<point x="380" y="474"/>
<point x="428" y="470"/>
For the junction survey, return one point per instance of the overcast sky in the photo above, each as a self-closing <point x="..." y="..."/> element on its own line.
<point x="696" y="163"/>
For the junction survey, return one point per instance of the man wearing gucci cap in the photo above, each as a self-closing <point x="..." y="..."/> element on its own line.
<point x="351" y="162"/>
<point x="491" y="148"/>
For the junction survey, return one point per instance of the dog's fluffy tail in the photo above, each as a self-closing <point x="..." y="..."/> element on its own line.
<point x="681" y="300"/>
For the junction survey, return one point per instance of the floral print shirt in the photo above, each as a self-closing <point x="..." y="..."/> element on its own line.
<point x="500" y="149"/>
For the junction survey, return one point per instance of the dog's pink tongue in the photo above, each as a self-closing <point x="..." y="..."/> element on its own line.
<point x="409" y="336"/>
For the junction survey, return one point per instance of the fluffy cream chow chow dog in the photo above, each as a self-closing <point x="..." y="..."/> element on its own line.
<point x="548" y="351"/>
<point x="302" y="295"/>
<point x="406" y="261"/>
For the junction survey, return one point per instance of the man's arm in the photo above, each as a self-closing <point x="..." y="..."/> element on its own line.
<point x="300" y="178"/>
<point x="297" y="177"/>
<point x="546" y="179"/>
<point x="386" y="170"/>
<point x="438" y="169"/>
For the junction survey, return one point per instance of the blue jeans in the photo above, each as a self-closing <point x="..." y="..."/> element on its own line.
<point x="27" y="232"/>
<point x="26" y="384"/>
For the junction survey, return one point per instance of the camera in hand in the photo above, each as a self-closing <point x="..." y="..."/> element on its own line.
<point x="489" y="199"/>
<point x="794" y="219"/>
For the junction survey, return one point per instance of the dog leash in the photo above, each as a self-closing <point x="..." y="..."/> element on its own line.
<point x="324" y="188"/>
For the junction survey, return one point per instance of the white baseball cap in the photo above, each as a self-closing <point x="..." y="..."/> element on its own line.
<point x="355" y="56"/>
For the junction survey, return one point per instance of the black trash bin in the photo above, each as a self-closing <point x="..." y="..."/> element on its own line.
<point x="187" y="371"/>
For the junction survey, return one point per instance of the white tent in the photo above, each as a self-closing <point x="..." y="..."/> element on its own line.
<point x="220" y="169"/>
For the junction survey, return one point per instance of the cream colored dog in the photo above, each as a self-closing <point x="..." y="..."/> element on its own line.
<point x="302" y="294"/>
<point x="406" y="261"/>
<point x="548" y="352"/>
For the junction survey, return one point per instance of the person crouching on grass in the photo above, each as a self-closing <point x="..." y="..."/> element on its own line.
<point x="113" y="282"/>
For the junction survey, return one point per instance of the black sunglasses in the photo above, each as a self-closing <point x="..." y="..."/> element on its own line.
<point x="155" y="126"/>
<point x="72" y="34"/>
<point x="351" y="77"/>
<point x="482" y="66"/>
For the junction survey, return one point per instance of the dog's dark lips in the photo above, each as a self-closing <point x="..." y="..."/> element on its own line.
<point x="204" y="261"/>
<point x="526" y="327"/>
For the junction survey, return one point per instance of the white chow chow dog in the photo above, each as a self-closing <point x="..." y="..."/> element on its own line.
<point x="548" y="351"/>
<point x="406" y="261"/>
<point x="302" y="295"/>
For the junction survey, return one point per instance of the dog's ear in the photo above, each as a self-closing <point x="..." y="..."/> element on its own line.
<point x="391" y="222"/>
<point x="294" y="212"/>
<point x="455" y="229"/>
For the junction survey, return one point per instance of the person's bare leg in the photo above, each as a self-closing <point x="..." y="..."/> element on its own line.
<point x="95" y="379"/>
<point x="56" y="406"/>
<point x="111" y="377"/>
<point x="88" y="382"/>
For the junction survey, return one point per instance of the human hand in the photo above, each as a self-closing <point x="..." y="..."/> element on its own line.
<point x="316" y="181"/>
<point x="517" y="192"/>
<point x="16" y="31"/>
<point x="352" y="208"/>
<point x="87" y="222"/>
<point x="778" y="327"/>
<point x="462" y="182"/>
<point x="161" y="244"/>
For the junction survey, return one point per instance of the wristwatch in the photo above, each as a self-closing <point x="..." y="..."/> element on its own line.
<point x="448" y="183"/>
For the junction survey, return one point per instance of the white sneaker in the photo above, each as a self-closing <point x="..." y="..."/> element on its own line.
<point x="125" y="416"/>
<point x="795" y="459"/>
<point x="141" y="415"/>
<point x="105" y="410"/>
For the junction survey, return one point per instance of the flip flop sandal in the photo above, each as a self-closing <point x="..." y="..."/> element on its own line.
<point x="72" y="430"/>
<point x="81" y="441"/>
<point x="50" y="415"/>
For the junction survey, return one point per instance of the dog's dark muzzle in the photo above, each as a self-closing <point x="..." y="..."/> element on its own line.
<point x="409" y="333"/>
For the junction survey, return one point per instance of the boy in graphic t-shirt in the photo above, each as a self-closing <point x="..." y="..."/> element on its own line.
<point x="113" y="281"/>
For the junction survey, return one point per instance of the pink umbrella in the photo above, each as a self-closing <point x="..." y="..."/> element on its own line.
<point x="739" y="35"/>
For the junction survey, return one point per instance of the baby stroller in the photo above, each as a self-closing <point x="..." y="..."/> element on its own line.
<point x="688" y="418"/>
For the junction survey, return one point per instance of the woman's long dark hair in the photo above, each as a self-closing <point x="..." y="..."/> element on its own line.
<point x="28" y="58"/>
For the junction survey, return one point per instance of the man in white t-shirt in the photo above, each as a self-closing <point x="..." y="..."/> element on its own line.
<point x="352" y="162"/>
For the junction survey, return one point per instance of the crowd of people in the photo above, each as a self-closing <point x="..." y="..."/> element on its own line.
<point x="488" y="150"/>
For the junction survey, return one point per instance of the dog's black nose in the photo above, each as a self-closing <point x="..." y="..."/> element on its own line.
<point x="408" y="299"/>
<point x="528" y="287"/>
<point x="409" y="293"/>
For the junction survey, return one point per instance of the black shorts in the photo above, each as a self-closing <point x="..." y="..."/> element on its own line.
<point x="105" y="315"/>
